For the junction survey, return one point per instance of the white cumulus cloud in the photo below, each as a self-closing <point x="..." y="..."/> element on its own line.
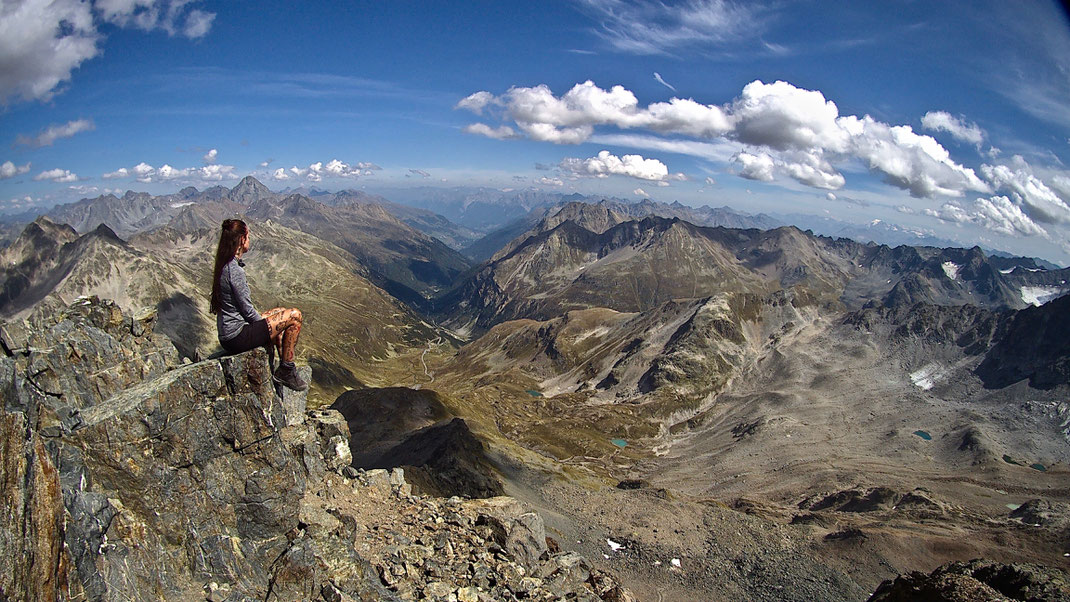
<point x="755" y="167"/>
<point x="215" y="173"/>
<point x="43" y="41"/>
<point x="998" y="214"/>
<point x="910" y="161"/>
<point x="606" y="164"/>
<point x="210" y="156"/>
<point x="280" y="174"/>
<point x="166" y="172"/>
<point x="1035" y="197"/>
<point x="782" y="117"/>
<point x="36" y="53"/>
<point x="550" y="181"/>
<point x="783" y="129"/>
<point x="640" y="192"/>
<point x="146" y="174"/>
<point x="812" y="169"/>
<point x="10" y="170"/>
<point x="942" y="121"/>
<point x="477" y="101"/>
<point x="55" y="132"/>
<point x="60" y="176"/>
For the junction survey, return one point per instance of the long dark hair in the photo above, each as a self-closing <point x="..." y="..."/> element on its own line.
<point x="229" y="243"/>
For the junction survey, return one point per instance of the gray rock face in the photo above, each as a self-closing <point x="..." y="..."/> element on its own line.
<point x="170" y="475"/>
<point x="977" y="580"/>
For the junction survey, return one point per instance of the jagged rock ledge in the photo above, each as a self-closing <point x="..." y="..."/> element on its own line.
<point x="126" y="475"/>
<point x="975" y="581"/>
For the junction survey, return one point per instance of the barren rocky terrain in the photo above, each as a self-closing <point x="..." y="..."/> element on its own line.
<point x="694" y="412"/>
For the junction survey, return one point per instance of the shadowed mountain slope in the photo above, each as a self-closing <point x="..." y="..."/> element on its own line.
<point x="407" y="263"/>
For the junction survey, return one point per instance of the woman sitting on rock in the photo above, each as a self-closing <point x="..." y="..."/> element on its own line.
<point x="239" y="325"/>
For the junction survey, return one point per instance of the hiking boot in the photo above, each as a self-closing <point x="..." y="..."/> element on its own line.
<point x="287" y="376"/>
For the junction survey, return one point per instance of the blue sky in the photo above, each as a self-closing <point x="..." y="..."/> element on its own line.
<point x="952" y="118"/>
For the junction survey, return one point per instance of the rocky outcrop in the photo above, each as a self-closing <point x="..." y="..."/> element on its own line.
<point x="875" y="499"/>
<point x="167" y="475"/>
<point x="1034" y="347"/>
<point x="412" y="429"/>
<point x="126" y="475"/>
<point x="977" y="580"/>
<point x="483" y="550"/>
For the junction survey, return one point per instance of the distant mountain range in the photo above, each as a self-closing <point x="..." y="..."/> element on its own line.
<point x="844" y="396"/>
<point x="595" y="256"/>
<point x="474" y="221"/>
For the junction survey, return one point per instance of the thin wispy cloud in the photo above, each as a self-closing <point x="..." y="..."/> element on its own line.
<point x="716" y="151"/>
<point x="645" y="27"/>
<point x="56" y="132"/>
<point x="307" y="85"/>
<point x="662" y="81"/>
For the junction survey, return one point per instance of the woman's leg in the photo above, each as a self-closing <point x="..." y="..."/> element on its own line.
<point x="284" y="328"/>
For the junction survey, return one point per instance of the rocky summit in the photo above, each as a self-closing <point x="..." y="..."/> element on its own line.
<point x="127" y="474"/>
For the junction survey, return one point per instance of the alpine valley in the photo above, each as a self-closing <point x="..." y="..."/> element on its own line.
<point x="682" y="404"/>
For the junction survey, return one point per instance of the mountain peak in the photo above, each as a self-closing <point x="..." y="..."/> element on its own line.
<point x="250" y="190"/>
<point x="44" y="225"/>
<point x="103" y="231"/>
<point x="249" y="181"/>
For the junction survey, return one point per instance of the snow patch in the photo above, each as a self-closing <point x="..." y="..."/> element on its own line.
<point x="1039" y="295"/>
<point x="177" y="205"/>
<point x="597" y="332"/>
<point x="614" y="545"/>
<point x="951" y="269"/>
<point x="926" y="377"/>
<point x="1008" y="271"/>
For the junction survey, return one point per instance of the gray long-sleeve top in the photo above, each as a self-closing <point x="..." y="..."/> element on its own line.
<point x="236" y="308"/>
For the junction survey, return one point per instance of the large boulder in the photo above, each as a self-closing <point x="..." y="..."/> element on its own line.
<point x="127" y="475"/>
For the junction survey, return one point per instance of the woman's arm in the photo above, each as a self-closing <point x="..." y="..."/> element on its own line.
<point x="240" y="288"/>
